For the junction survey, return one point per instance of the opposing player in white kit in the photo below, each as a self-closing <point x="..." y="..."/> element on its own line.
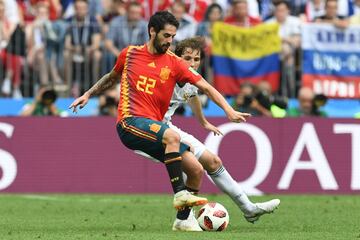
<point x="190" y="50"/>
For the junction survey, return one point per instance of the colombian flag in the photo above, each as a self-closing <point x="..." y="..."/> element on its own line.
<point x="245" y="54"/>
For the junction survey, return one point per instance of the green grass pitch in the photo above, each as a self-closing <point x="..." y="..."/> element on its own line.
<point x="125" y="217"/>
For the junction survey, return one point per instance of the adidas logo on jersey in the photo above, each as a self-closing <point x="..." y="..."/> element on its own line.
<point x="152" y="64"/>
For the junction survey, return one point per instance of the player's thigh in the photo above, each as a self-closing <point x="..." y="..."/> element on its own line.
<point x="145" y="135"/>
<point x="191" y="166"/>
<point x="170" y="137"/>
<point x="198" y="147"/>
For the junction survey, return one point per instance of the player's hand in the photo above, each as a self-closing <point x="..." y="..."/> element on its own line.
<point x="80" y="101"/>
<point x="212" y="128"/>
<point x="237" y="117"/>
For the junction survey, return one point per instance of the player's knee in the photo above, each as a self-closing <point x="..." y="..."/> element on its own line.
<point x="214" y="164"/>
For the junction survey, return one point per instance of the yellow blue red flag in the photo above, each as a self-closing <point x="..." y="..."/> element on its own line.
<point x="245" y="54"/>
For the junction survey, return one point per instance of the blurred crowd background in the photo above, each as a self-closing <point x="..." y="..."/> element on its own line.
<point x="53" y="50"/>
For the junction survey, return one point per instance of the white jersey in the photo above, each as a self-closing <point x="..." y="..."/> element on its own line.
<point x="181" y="95"/>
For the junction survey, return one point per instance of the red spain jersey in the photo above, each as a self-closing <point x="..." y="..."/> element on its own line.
<point x="148" y="81"/>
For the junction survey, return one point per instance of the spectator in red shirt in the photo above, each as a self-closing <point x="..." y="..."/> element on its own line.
<point x="152" y="6"/>
<point x="196" y="8"/>
<point x="240" y="15"/>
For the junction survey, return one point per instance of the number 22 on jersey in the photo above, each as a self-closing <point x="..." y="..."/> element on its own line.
<point x="145" y="84"/>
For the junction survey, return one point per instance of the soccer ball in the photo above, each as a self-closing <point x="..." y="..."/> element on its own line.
<point x="213" y="217"/>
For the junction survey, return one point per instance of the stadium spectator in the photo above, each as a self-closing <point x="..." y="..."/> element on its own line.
<point x="213" y="14"/>
<point x="316" y="8"/>
<point x="54" y="7"/>
<point x="108" y="102"/>
<point x="40" y="41"/>
<point x="253" y="6"/>
<point x="196" y="8"/>
<point x="187" y="26"/>
<point x="152" y="6"/>
<point x="298" y="7"/>
<point x="356" y="7"/>
<point x="118" y="8"/>
<point x="133" y="32"/>
<point x="331" y="15"/>
<point x="12" y="49"/>
<point x="12" y="13"/>
<point x="245" y="101"/>
<point x="308" y="104"/>
<point x="5" y="33"/>
<point x="276" y="104"/>
<point x="290" y="30"/>
<point x="44" y="104"/>
<point x="5" y="30"/>
<point x="313" y="10"/>
<point x="240" y="15"/>
<point x="82" y="52"/>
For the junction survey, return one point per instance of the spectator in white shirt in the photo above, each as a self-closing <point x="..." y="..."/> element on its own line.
<point x="290" y="30"/>
<point x="188" y="26"/>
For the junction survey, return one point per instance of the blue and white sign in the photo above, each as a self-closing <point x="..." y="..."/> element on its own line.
<point x="331" y="60"/>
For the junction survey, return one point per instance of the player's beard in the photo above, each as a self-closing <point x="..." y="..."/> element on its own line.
<point x="160" y="48"/>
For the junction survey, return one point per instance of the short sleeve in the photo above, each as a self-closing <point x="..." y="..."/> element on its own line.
<point x="120" y="62"/>
<point x="185" y="73"/>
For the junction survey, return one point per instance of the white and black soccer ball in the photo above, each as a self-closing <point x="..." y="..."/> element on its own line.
<point x="213" y="217"/>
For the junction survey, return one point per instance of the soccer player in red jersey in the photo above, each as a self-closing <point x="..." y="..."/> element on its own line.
<point x="191" y="50"/>
<point x="148" y="75"/>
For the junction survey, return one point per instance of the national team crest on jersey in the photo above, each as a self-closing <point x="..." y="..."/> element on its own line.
<point x="155" y="127"/>
<point x="164" y="74"/>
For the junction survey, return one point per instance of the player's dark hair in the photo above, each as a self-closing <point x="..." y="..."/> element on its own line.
<point x="85" y="1"/>
<point x="279" y="2"/>
<point x="195" y="43"/>
<point x="160" y="19"/>
<point x="49" y="95"/>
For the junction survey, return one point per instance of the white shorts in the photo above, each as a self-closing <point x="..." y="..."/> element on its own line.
<point x="197" y="146"/>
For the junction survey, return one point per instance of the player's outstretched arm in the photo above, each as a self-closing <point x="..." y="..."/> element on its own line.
<point x="107" y="81"/>
<point x="214" y="95"/>
<point x="196" y="107"/>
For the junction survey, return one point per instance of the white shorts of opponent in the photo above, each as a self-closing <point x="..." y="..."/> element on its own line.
<point x="197" y="147"/>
